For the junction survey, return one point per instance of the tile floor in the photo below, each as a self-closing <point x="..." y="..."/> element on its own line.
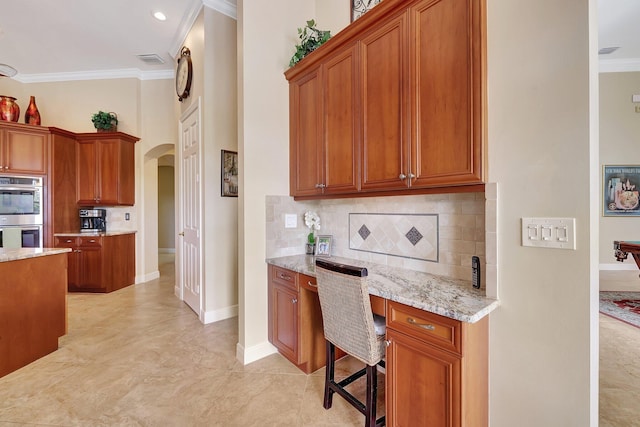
<point x="140" y="357"/>
<point x="619" y="359"/>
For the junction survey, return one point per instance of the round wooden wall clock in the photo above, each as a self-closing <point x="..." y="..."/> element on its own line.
<point x="184" y="74"/>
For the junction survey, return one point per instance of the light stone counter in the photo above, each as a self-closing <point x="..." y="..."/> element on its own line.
<point x="24" y="253"/>
<point x="106" y="233"/>
<point x="452" y="298"/>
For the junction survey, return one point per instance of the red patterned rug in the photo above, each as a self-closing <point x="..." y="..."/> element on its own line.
<point x="624" y="306"/>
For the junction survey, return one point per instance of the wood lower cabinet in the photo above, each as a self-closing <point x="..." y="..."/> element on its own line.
<point x="105" y="169"/>
<point x="23" y="149"/>
<point x="437" y="369"/>
<point x="295" y="319"/>
<point x="99" y="263"/>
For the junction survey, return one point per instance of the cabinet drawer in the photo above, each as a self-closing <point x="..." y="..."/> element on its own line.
<point x="90" y="241"/>
<point x="440" y="331"/>
<point x="308" y="282"/>
<point x="66" y="242"/>
<point x="284" y="277"/>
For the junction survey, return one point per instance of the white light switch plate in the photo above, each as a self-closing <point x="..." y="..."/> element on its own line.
<point x="290" y="221"/>
<point x="557" y="233"/>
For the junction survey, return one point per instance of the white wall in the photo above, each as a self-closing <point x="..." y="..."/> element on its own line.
<point x="543" y="338"/>
<point x="620" y="136"/>
<point x="212" y="42"/>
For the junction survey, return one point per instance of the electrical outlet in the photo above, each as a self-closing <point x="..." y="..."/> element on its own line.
<point x="290" y="221"/>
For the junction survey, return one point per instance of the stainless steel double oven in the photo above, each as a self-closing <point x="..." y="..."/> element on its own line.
<point x="21" y="207"/>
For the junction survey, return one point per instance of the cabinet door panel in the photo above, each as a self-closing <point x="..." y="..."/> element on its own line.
<point x="285" y="322"/>
<point x="423" y="384"/>
<point x="25" y="152"/>
<point x="385" y="128"/>
<point x="86" y="173"/>
<point x="305" y="100"/>
<point x="108" y="168"/>
<point x="91" y="268"/>
<point x="447" y="134"/>
<point x="341" y="136"/>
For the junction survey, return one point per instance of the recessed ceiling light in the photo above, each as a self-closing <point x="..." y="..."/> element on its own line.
<point x="159" y="16"/>
<point x="607" y="50"/>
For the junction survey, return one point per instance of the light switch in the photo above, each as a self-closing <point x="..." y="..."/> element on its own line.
<point x="290" y="221"/>
<point x="558" y="233"/>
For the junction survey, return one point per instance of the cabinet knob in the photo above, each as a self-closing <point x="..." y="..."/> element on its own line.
<point x="294" y="300"/>
<point x="411" y="176"/>
<point x="402" y="176"/>
<point x="69" y="240"/>
<point x="387" y="343"/>
<point x="320" y="186"/>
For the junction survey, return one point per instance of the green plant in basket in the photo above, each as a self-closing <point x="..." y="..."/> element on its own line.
<point x="104" y="121"/>
<point x="311" y="38"/>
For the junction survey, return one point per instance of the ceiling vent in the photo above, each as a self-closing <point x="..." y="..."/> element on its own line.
<point x="607" y="50"/>
<point x="151" y="58"/>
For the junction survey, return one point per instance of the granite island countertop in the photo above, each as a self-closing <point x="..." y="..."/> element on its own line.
<point x="445" y="296"/>
<point x="24" y="253"/>
<point x="101" y="233"/>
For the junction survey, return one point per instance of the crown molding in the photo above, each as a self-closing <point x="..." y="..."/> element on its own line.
<point x="127" y="73"/>
<point x="619" y="65"/>
<point x="186" y="23"/>
<point x="226" y="7"/>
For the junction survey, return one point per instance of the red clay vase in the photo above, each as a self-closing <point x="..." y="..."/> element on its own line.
<point x="9" y="109"/>
<point x="32" y="115"/>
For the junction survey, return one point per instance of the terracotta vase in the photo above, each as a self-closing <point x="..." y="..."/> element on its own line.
<point x="9" y="109"/>
<point x="32" y="115"/>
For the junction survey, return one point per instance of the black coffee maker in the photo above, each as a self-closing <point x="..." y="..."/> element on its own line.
<point x="93" y="220"/>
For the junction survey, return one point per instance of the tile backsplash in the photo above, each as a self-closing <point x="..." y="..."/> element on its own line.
<point x="436" y="233"/>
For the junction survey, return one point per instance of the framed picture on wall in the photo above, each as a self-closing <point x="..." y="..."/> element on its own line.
<point x="620" y="190"/>
<point x="229" y="168"/>
<point x="360" y="7"/>
<point x="323" y="246"/>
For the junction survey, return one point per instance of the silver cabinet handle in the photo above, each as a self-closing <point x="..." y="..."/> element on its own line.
<point x="310" y="283"/>
<point x="285" y="277"/>
<point x="411" y="176"/>
<point x="427" y="326"/>
<point x="294" y="300"/>
<point x="320" y="186"/>
<point x="402" y="176"/>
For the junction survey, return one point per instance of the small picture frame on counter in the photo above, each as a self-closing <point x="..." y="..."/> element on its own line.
<point x="323" y="246"/>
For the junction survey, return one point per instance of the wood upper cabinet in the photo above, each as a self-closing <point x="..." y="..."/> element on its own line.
<point x="106" y="169"/>
<point x="23" y="149"/>
<point x="437" y="369"/>
<point x="385" y="136"/>
<point x="446" y="78"/>
<point x="402" y="90"/>
<point x="324" y="128"/>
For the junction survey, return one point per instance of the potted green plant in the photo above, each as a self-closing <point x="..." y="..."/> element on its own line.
<point x="105" y="122"/>
<point x="310" y="39"/>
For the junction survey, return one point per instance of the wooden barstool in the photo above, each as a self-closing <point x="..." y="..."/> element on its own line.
<point x="349" y="324"/>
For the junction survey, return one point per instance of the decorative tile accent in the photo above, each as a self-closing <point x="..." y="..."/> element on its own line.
<point x="412" y="236"/>
<point x="364" y="232"/>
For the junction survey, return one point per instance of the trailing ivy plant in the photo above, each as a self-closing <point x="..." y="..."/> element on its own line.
<point x="310" y="39"/>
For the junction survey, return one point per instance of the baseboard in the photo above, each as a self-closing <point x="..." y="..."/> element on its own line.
<point x="256" y="352"/>
<point x="147" y="277"/>
<point x="166" y="250"/>
<point x="618" y="266"/>
<point x="220" y="314"/>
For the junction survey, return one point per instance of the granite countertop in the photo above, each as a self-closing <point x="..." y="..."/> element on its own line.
<point x="106" y="233"/>
<point x="445" y="296"/>
<point x="24" y="253"/>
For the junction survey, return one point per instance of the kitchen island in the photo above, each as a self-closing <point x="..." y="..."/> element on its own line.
<point x="33" y="304"/>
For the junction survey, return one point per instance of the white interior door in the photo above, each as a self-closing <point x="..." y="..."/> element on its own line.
<point x="189" y="241"/>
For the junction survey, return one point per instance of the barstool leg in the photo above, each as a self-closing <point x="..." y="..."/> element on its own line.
<point x="372" y="381"/>
<point x="329" y="374"/>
